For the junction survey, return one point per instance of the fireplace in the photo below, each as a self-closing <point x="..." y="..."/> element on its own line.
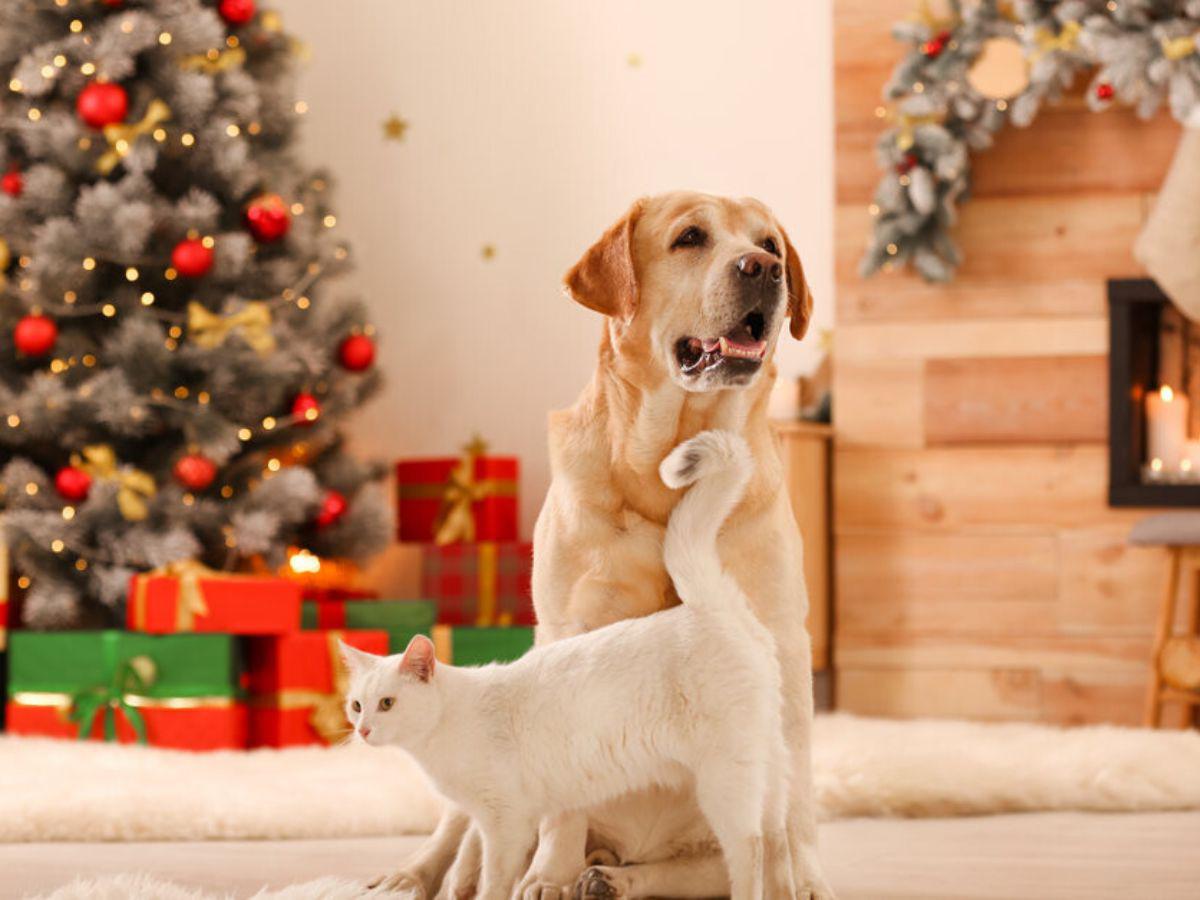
<point x="1154" y="399"/>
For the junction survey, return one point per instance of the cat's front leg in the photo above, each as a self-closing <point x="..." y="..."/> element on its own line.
<point x="507" y="843"/>
<point x="420" y="876"/>
<point x="560" y="858"/>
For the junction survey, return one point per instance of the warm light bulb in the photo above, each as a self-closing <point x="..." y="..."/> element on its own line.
<point x="1166" y="393"/>
<point x="304" y="563"/>
<point x="1156" y="465"/>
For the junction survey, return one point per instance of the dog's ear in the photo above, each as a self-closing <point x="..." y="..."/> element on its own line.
<point x="604" y="278"/>
<point x="800" y="301"/>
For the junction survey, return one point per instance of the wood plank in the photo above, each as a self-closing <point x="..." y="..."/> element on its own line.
<point x="973" y="338"/>
<point x="992" y="489"/>
<point x="1066" y="653"/>
<point x="1035" y="238"/>
<point x="1105" y="585"/>
<point x="879" y="402"/>
<point x="961" y="583"/>
<point x="896" y="298"/>
<point x="1087" y="698"/>
<point x="1024" y="399"/>
<point x="946" y="692"/>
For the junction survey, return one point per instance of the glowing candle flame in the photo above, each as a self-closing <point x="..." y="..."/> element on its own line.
<point x="1166" y="393"/>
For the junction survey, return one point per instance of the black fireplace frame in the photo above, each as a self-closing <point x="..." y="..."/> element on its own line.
<point x="1134" y="313"/>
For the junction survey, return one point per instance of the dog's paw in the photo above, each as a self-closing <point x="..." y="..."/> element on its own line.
<point x="402" y="883"/>
<point x="602" y="857"/>
<point x="600" y="883"/>
<point x="539" y="889"/>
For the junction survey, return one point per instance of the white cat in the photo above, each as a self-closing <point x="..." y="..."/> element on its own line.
<point x="690" y="693"/>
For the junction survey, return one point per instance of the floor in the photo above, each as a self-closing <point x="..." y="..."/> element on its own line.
<point x="1045" y="855"/>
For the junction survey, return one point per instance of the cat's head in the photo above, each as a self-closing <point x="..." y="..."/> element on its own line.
<point x="392" y="699"/>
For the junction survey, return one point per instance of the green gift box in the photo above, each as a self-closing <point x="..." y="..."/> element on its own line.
<point x="463" y="646"/>
<point x="179" y="690"/>
<point x="401" y="619"/>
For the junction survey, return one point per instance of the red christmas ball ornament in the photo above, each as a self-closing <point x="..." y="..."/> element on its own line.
<point x="333" y="507"/>
<point x="35" y="335"/>
<point x="268" y="218"/>
<point x="1105" y="91"/>
<point x="192" y="257"/>
<point x="102" y="103"/>
<point x="236" y="12"/>
<point x="195" y="471"/>
<point x="72" y="483"/>
<point x="933" y="48"/>
<point x="907" y="164"/>
<point x="305" y="408"/>
<point x="12" y="183"/>
<point x="113" y="4"/>
<point x="357" y="352"/>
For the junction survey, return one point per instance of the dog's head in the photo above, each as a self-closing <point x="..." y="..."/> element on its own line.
<point x="696" y="285"/>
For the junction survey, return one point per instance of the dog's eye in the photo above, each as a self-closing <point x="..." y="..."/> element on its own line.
<point x="386" y="703"/>
<point x="356" y="706"/>
<point x="690" y="237"/>
<point x="770" y="246"/>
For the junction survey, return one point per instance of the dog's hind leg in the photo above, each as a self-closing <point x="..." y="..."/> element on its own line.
<point x="684" y="877"/>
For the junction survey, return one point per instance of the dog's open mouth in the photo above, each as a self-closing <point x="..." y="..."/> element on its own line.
<point x="743" y="343"/>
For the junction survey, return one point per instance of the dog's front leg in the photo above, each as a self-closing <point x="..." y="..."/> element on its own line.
<point x="560" y="857"/>
<point x="422" y="874"/>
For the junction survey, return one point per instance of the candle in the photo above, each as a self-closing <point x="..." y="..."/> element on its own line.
<point x="1166" y="427"/>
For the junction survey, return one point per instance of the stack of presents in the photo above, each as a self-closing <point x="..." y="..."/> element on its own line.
<point x="217" y="660"/>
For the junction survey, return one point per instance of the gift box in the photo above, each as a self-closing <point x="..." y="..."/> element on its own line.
<point x="179" y="691"/>
<point x="401" y="619"/>
<point x="480" y="646"/>
<point x="336" y="594"/>
<point x="5" y="592"/>
<point x="483" y="585"/>
<point x="297" y="686"/>
<point x="448" y="500"/>
<point x="188" y="597"/>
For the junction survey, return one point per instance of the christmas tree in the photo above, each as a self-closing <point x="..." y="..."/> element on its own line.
<point x="172" y="364"/>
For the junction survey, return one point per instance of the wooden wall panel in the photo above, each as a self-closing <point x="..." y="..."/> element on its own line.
<point x="1016" y="399"/>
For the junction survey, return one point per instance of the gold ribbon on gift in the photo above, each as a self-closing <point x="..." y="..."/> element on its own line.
<point x="134" y="486"/>
<point x="214" y="60"/>
<point x="1048" y="42"/>
<point x="455" y="521"/>
<point x="1179" y="47"/>
<point x="252" y="322"/>
<point x="190" y="601"/>
<point x="121" y="136"/>
<point x="63" y="700"/>
<point x="328" y="715"/>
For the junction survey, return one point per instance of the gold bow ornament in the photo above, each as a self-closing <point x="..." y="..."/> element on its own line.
<point x="455" y="519"/>
<point x="906" y="131"/>
<point x="214" y="61"/>
<point x="1048" y="42"/>
<point x="184" y="577"/>
<point x="252" y="323"/>
<point x="5" y="259"/>
<point x="134" y="487"/>
<point x="121" y="136"/>
<point x="1178" y="48"/>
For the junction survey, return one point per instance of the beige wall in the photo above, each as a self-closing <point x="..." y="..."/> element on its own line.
<point x="531" y="131"/>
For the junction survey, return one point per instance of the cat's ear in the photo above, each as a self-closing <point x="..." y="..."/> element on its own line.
<point x="356" y="660"/>
<point x="420" y="658"/>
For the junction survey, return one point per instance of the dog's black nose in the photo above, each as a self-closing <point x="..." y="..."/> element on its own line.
<point x="759" y="265"/>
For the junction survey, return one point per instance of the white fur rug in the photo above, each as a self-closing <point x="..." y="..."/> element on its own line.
<point x="145" y="887"/>
<point x="70" y="791"/>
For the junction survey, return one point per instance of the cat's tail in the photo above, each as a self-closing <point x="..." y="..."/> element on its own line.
<point x="717" y="465"/>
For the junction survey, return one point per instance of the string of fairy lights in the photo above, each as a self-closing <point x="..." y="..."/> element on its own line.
<point x="269" y="460"/>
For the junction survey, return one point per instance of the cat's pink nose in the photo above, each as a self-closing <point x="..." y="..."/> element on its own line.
<point x="365" y="732"/>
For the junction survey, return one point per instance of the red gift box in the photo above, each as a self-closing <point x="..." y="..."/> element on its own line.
<point x="481" y="585"/>
<point x="188" y="597"/>
<point x="337" y="594"/>
<point x="447" y="500"/>
<point x="221" y="725"/>
<point x="297" y="686"/>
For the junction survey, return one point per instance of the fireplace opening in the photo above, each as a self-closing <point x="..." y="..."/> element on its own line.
<point x="1154" y="399"/>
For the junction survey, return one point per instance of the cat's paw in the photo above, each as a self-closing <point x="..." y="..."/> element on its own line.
<point x="543" y="890"/>
<point x="404" y="884"/>
<point x="600" y="883"/>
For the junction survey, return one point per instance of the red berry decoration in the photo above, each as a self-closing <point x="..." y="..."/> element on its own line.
<point x="12" y="183"/>
<point x="102" y="103"/>
<point x="268" y="218"/>
<point x="192" y="257"/>
<point x="1105" y="91"/>
<point x="333" y="507"/>
<point x="73" y="484"/>
<point x="305" y="408"/>
<point x="236" y="12"/>
<point x="907" y="164"/>
<point x="195" y="471"/>
<point x="113" y="4"/>
<point x="35" y="335"/>
<point x="933" y="48"/>
<point x="357" y="352"/>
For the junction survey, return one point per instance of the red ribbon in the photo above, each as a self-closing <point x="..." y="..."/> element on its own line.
<point x="331" y="614"/>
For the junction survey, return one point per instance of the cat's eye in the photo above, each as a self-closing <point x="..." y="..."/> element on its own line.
<point x="386" y="703"/>
<point x="356" y="706"/>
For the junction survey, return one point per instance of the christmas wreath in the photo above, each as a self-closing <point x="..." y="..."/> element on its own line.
<point x="979" y="65"/>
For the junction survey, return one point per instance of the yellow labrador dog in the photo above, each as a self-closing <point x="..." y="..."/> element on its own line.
<point x="696" y="290"/>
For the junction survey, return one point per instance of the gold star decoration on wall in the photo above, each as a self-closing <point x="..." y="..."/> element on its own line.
<point x="488" y="251"/>
<point x="394" y="128"/>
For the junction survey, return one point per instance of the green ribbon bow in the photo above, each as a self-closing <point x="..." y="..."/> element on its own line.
<point x="130" y="677"/>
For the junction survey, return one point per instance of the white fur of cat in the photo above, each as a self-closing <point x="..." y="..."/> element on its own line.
<point x="688" y="694"/>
